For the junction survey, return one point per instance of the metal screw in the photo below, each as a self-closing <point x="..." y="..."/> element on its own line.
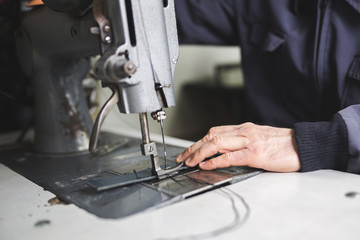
<point x="158" y="115"/>
<point x="129" y="68"/>
<point x="107" y="39"/>
<point x="107" y="28"/>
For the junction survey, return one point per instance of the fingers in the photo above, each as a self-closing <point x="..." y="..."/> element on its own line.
<point x="215" y="131"/>
<point x="222" y="144"/>
<point x="238" y="158"/>
<point x="190" y="150"/>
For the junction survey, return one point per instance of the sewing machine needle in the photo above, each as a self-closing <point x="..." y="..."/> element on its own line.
<point x="163" y="139"/>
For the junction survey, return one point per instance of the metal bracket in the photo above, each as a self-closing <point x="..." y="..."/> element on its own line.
<point x="149" y="149"/>
<point x="104" y="26"/>
<point x="161" y="173"/>
<point x="113" y="100"/>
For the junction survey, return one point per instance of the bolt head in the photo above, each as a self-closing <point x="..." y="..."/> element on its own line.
<point x="107" y="28"/>
<point x="129" y="68"/>
<point x="107" y="39"/>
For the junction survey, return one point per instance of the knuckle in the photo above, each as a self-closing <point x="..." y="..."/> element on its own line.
<point x="248" y="124"/>
<point x="214" y="163"/>
<point x="197" y="155"/>
<point x="212" y="131"/>
<point x="210" y="164"/>
<point x="217" y="140"/>
<point x="188" y="150"/>
<point x="226" y="159"/>
<point x="208" y="137"/>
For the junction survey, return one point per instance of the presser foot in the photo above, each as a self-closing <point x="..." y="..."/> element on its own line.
<point x="164" y="173"/>
<point x="150" y="149"/>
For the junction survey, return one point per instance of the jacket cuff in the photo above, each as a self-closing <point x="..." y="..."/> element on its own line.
<point x="322" y="145"/>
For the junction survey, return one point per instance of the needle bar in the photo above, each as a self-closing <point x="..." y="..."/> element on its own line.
<point x="163" y="139"/>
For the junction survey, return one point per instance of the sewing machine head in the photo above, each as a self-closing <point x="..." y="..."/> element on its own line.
<point x="139" y="52"/>
<point x="137" y="41"/>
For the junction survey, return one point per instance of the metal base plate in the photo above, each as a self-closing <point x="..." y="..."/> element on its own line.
<point x="67" y="176"/>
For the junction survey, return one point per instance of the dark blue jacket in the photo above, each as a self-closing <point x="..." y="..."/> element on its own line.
<point x="301" y="63"/>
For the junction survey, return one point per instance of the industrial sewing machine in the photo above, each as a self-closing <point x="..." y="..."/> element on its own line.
<point x="137" y="41"/>
<point x="138" y="50"/>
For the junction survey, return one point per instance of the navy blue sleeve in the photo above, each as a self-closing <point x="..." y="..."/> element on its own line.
<point x="206" y="22"/>
<point x="351" y="117"/>
<point x="323" y="145"/>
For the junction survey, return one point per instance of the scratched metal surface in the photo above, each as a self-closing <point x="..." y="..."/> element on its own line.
<point x="67" y="176"/>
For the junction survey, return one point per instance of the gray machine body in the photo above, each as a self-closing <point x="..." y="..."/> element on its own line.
<point x="148" y="37"/>
<point x="54" y="49"/>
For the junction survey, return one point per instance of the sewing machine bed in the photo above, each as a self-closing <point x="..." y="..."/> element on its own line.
<point x="68" y="176"/>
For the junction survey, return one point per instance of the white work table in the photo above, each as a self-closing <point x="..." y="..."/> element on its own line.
<point x="269" y="206"/>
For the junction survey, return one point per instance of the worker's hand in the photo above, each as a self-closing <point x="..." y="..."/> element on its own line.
<point x="265" y="147"/>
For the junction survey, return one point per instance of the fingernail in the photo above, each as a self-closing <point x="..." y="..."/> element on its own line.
<point x="179" y="158"/>
<point x="201" y="165"/>
<point x="187" y="162"/>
